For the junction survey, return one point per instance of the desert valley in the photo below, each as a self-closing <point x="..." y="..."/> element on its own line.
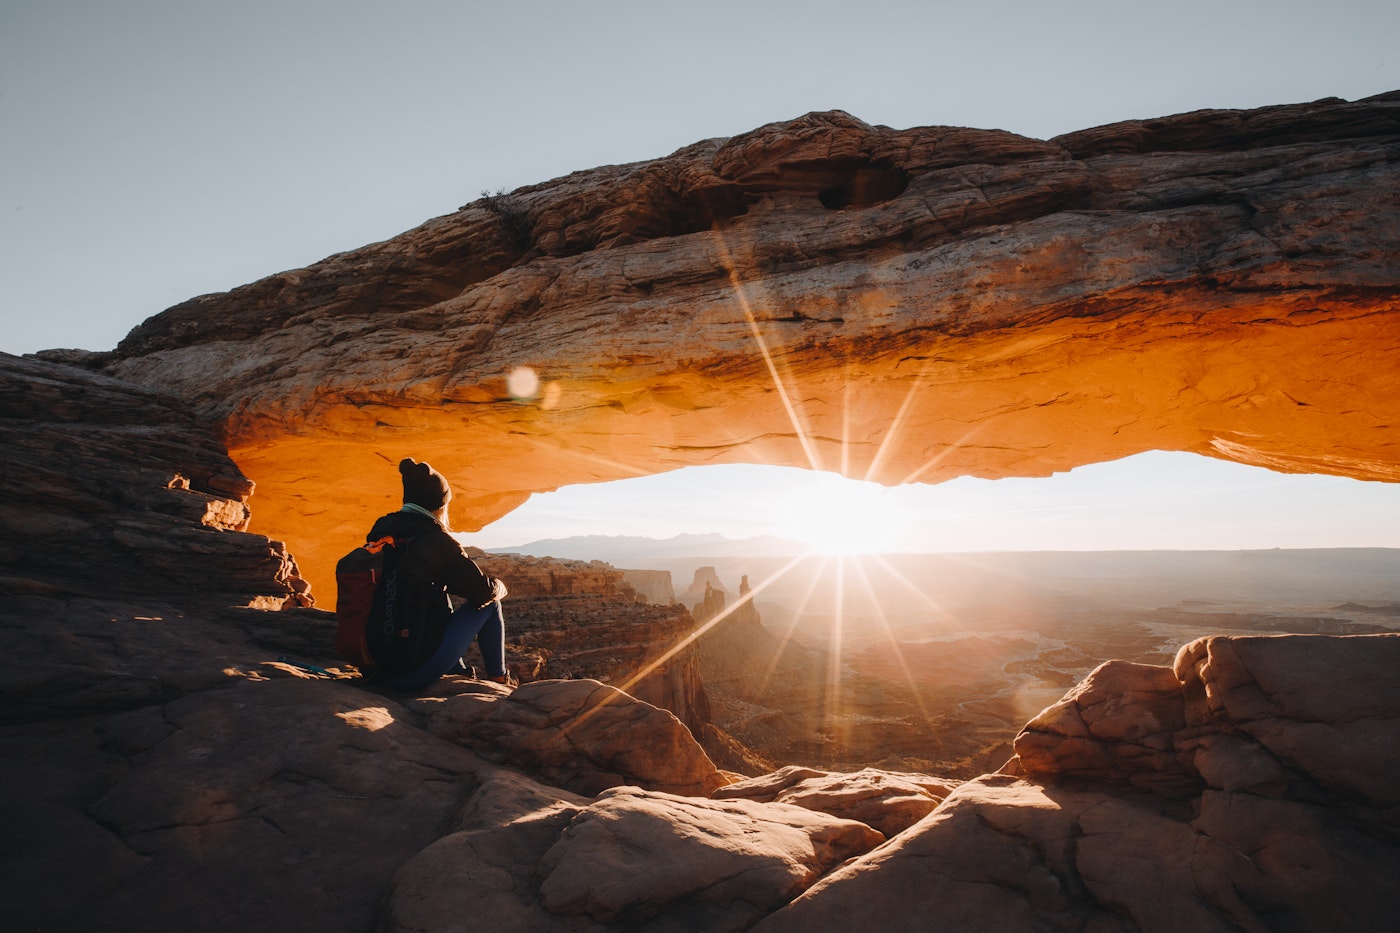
<point x="936" y="661"/>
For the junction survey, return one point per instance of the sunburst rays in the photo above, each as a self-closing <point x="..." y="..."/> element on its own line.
<point x="790" y="630"/>
<point x="772" y="362"/>
<point x="835" y="577"/>
<point x="689" y="640"/>
<point x="840" y="571"/>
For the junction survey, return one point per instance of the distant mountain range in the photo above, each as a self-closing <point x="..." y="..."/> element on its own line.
<point x="631" y="550"/>
<point x="1366" y="573"/>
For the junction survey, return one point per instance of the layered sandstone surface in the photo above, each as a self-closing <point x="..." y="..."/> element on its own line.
<point x="110" y="489"/>
<point x="902" y="305"/>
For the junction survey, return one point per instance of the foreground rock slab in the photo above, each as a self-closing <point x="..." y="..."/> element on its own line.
<point x="227" y="804"/>
<point x="1251" y="787"/>
<point x="887" y="801"/>
<point x="223" y="809"/>
<point x="580" y="735"/>
<point x="630" y="859"/>
<point x="1005" y="854"/>
<point x="634" y="855"/>
<point x="488" y="866"/>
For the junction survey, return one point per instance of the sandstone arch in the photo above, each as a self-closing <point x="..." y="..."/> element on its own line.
<point x="904" y="305"/>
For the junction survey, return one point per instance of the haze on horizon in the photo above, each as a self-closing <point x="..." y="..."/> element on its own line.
<point x="1154" y="501"/>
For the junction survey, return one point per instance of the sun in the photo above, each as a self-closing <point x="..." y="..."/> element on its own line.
<point x="838" y="516"/>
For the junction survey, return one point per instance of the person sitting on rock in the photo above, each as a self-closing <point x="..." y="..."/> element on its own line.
<point x="431" y="567"/>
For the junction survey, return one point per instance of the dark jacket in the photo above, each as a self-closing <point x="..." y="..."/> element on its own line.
<point x="429" y="567"/>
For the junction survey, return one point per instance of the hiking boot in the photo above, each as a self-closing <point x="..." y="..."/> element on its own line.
<point x="506" y="680"/>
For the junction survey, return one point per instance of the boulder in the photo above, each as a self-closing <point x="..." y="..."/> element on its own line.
<point x="531" y="858"/>
<point x="887" y="801"/>
<point x="580" y="735"/>
<point x="1118" y="724"/>
<point x="1276" y="715"/>
<point x="634" y="856"/>
<point x="488" y="867"/>
<point x="1322" y="708"/>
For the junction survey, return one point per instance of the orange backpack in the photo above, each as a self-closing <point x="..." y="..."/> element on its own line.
<point x="358" y="578"/>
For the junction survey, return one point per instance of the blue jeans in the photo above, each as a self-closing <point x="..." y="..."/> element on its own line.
<point x="486" y="626"/>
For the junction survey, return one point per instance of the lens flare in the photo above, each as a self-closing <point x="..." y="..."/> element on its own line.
<point x="523" y="383"/>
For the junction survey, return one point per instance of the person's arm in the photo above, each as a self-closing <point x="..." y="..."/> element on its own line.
<point x="464" y="578"/>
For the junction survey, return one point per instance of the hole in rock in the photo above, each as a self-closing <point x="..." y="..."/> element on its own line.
<point x="926" y="624"/>
<point x="864" y="185"/>
<point x="1157" y="500"/>
<point x="708" y="208"/>
<point x="675" y="215"/>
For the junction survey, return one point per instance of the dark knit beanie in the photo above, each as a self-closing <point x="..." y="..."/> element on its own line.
<point x="422" y="485"/>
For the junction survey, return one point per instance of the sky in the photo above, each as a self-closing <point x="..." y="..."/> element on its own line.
<point x="154" y="150"/>
<point x="1155" y="500"/>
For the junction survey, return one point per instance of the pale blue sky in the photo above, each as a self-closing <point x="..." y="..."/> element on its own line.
<point x="153" y="150"/>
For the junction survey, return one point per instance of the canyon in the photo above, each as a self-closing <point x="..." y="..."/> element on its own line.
<point x="932" y="663"/>
<point x="181" y="751"/>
